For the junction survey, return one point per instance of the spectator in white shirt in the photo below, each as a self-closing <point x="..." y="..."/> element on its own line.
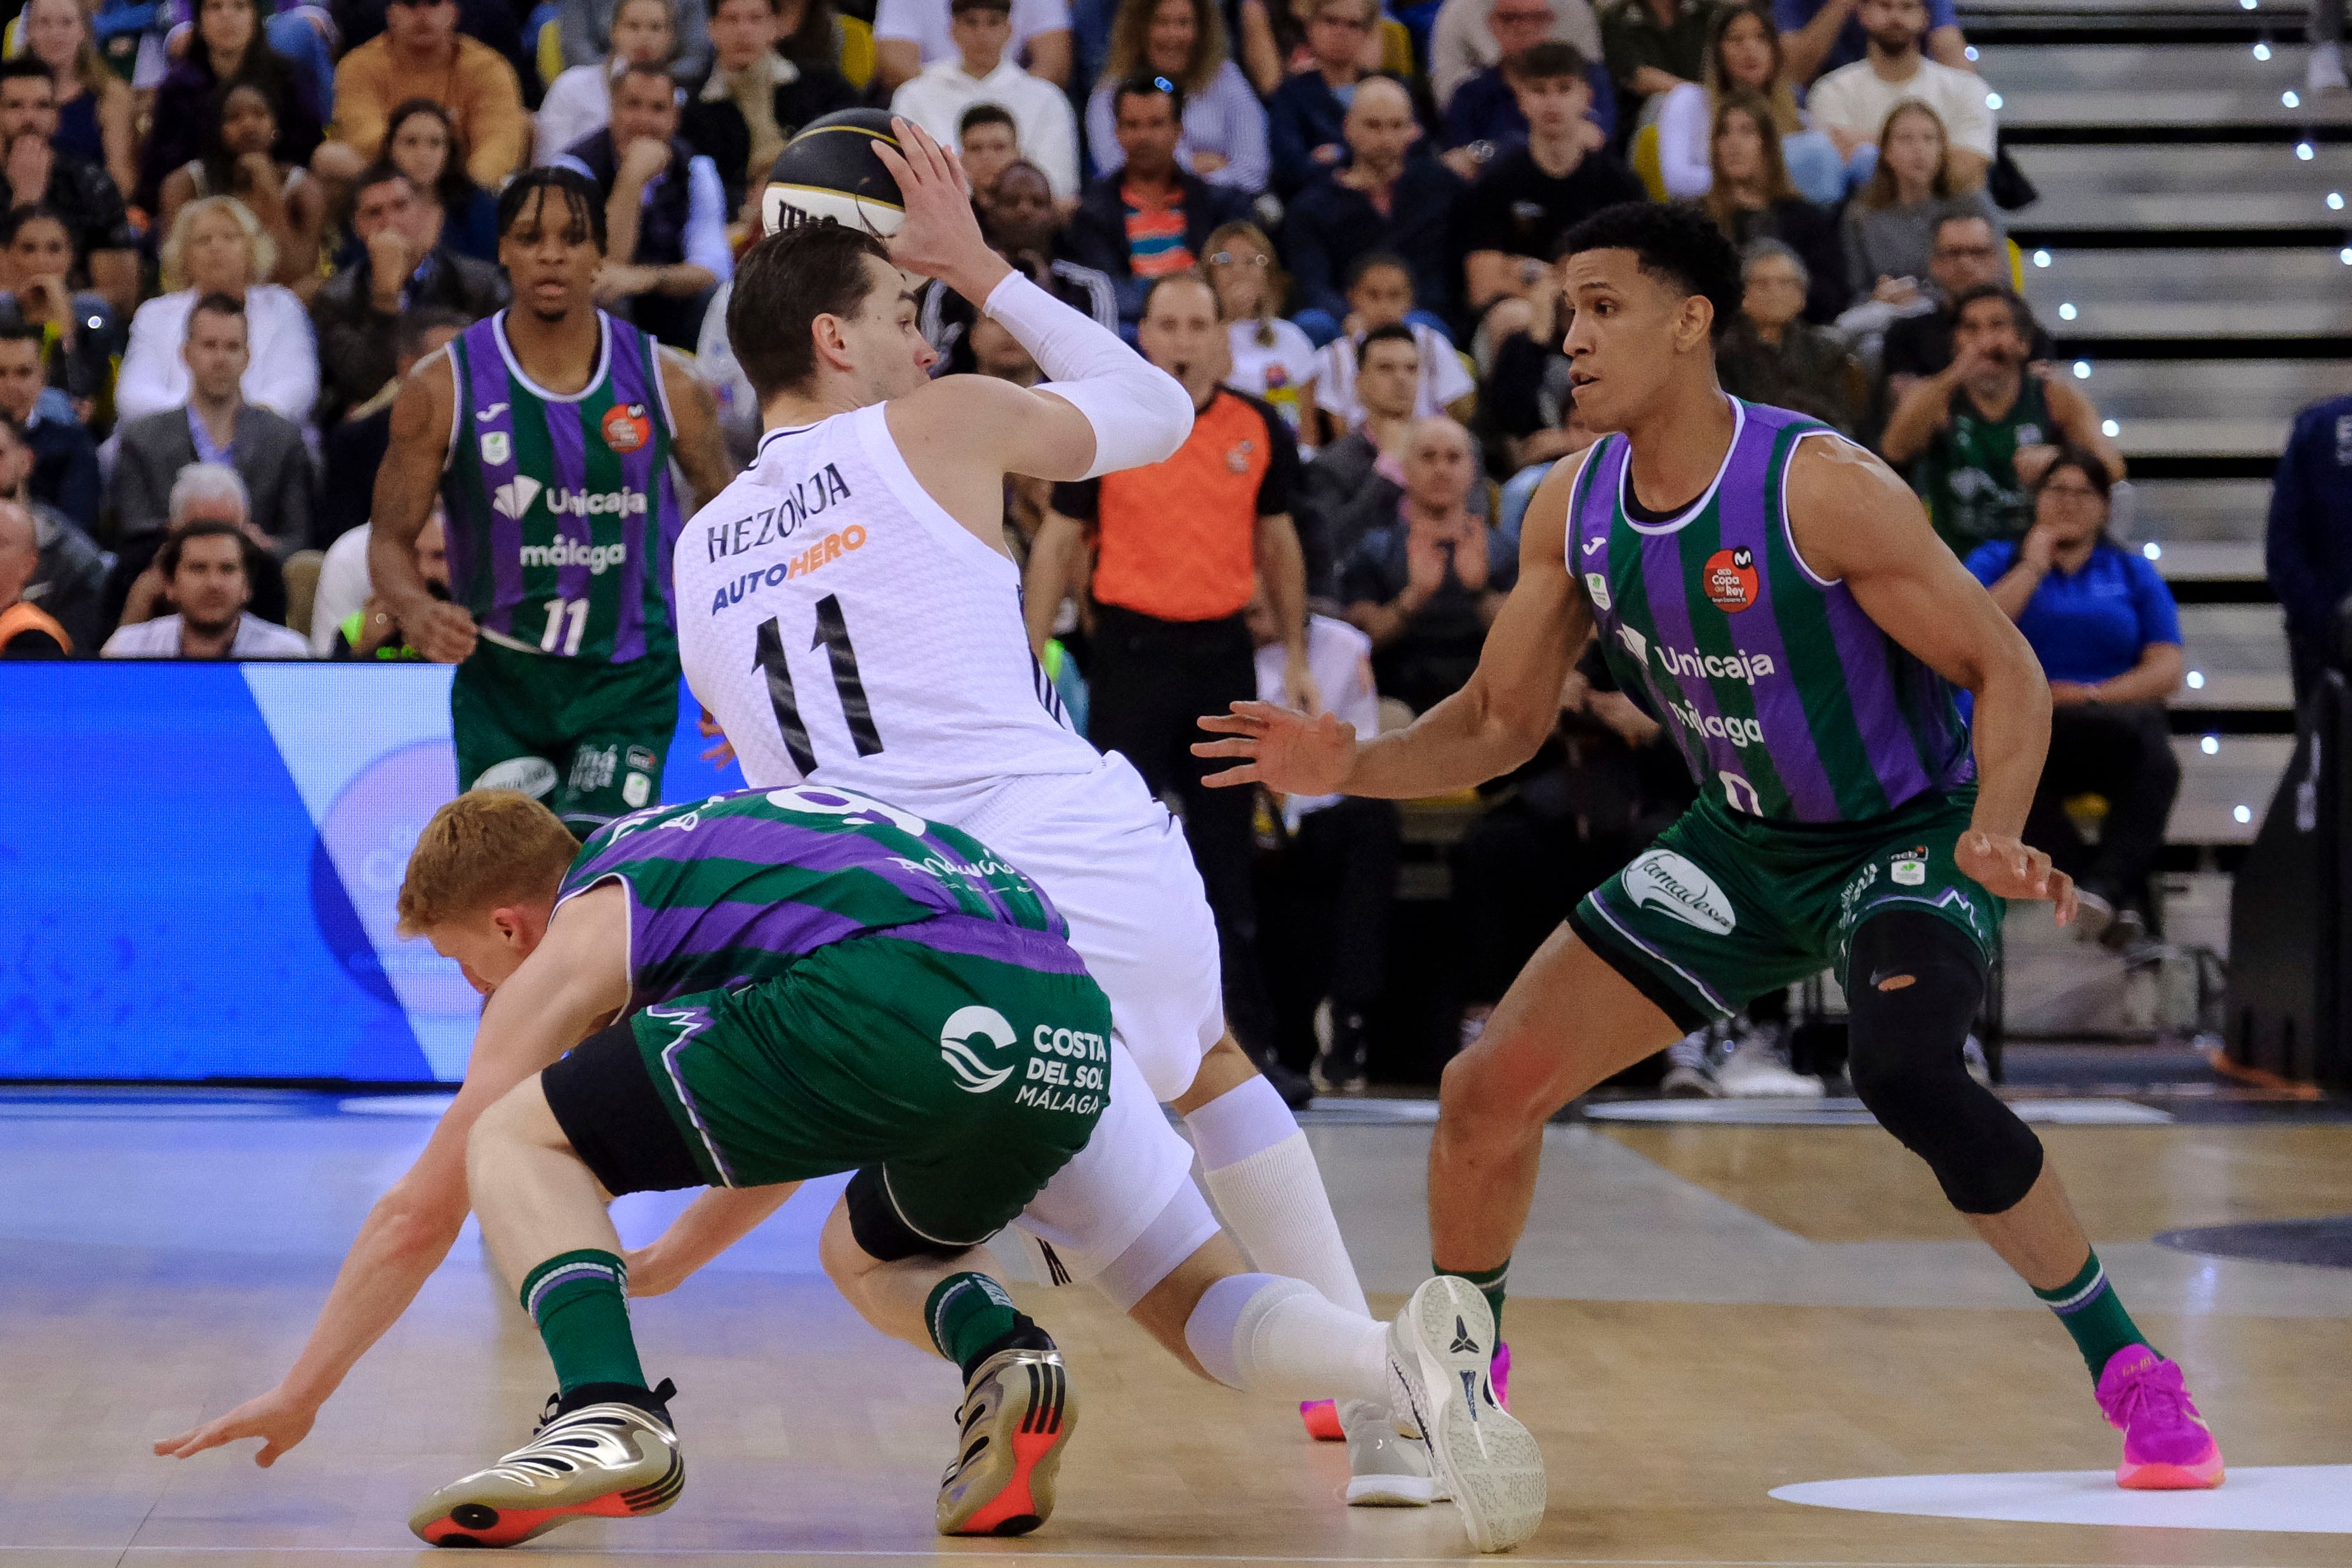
<point x="1273" y="359"/>
<point x="1379" y="292"/>
<point x="1853" y="101"/>
<point x="912" y="34"/>
<point x="203" y="567"/>
<point x="216" y="246"/>
<point x="981" y="71"/>
<point x="579" y="103"/>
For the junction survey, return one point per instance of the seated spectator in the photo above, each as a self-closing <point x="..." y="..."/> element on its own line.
<point x="229" y="44"/>
<point x="1382" y="199"/>
<point x="1744" y="55"/>
<point x="1564" y="435"/>
<point x="1304" y="129"/>
<point x="740" y="115"/>
<point x="1852" y="103"/>
<point x="1891" y="223"/>
<point x="1380" y="294"/>
<point x="462" y="218"/>
<point x="593" y="30"/>
<point x="65" y="459"/>
<point x="373" y="630"/>
<point x="1462" y="42"/>
<point x="27" y="631"/>
<point x="981" y="71"/>
<point x="355" y="445"/>
<point x="909" y="34"/>
<point x="2104" y="625"/>
<point x="1356" y="483"/>
<point x="739" y="422"/>
<point x="1426" y="587"/>
<point x="1152" y="217"/>
<point x="1978" y="435"/>
<point x="201" y="571"/>
<point x="1483" y="118"/>
<point x="1018" y="214"/>
<point x="2307" y="551"/>
<point x="665" y="210"/>
<point x="217" y="426"/>
<point x="82" y="336"/>
<point x="1772" y="354"/>
<point x="1511" y="220"/>
<point x="1331" y="881"/>
<point x="241" y="158"/>
<point x="990" y="143"/>
<point x="1825" y="35"/>
<point x="78" y="189"/>
<point x="1274" y="45"/>
<point x="421" y="53"/>
<point x="1969" y="253"/>
<point x="69" y="583"/>
<point x="97" y="116"/>
<point x="217" y="248"/>
<point x="809" y="34"/>
<point x="1273" y="359"/>
<point x="1751" y="198"/>
<point x="1223" y="138"/>
<point x="1655" y="46"/>
<point x="579" y="102"/>
<point x="358" y="311"/>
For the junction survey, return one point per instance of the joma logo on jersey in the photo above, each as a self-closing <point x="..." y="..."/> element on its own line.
<point x="798" y="504"/>
<point x="572" y="552"/>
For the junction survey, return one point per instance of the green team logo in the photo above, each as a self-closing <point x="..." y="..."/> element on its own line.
<point x="968" y="1031"/>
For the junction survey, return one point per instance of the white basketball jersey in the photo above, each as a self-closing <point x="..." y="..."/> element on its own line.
<point x="842" y="627"/>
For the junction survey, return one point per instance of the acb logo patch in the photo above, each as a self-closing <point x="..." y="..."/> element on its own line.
<point x="1730" y="578"/>
<point x="626" y="429"/>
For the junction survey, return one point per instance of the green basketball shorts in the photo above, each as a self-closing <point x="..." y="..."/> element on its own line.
<point x="1725" y="907"/>
<point x="588" y="739"/>
<point x="966" y="1082"/>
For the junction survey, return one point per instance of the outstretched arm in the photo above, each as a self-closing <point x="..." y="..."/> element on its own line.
<point x="403" y="504"/>
<point x="576" y="979"/>
<point x="1854" y="521"/>
<point x="1492" y="725"/>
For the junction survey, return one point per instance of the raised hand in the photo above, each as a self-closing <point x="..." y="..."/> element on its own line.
<point x="1283" y="749"/>
<point x="940" y="237"/>
<point x="2009" y="867"/>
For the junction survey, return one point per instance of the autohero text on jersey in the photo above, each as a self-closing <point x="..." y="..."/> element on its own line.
<point x="820" y="553"/>
<point x="798" y="502"/>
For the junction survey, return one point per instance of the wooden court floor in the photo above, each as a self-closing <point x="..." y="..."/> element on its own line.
<point x="1701" y="1316"/>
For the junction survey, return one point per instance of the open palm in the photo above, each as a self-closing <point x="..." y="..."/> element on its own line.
<point x="1286" y="750"/>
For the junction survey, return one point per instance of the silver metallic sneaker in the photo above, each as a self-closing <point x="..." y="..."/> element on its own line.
<point x="1384" y="1471"/>
<point x="1439" y="1347"/>
<point x="1017" y="1412"/>
<point x="600" y="1461"/>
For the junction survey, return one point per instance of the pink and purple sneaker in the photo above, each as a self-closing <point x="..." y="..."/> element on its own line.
<point x="2166" y="1447"/>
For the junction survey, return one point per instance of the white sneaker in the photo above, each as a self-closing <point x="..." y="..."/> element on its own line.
<point x="1757" y="1068"/>
<point x="1687" y="1077"/>
<point x="1439" y="1347"/>
<point x="2092" y="916"/>
<point x="1384" y="1471"/>
<point x="2325" y="73"/>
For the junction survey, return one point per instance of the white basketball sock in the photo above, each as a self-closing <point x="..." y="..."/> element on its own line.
<point x="1267" y="1335"/>
<point x="1263" y="1175"/>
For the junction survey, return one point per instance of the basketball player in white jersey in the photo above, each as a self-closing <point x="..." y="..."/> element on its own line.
<point x="851" y="616"/>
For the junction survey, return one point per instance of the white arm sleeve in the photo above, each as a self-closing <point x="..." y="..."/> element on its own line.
<point x="1140" y="412"/>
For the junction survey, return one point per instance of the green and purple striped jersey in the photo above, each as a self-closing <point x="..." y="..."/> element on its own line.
<point x="1774" y="684"/>
<point x="742" y="887"/>
<point x="561" y="511"/>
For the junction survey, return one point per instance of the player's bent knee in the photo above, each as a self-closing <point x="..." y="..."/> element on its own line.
<point x="1913" y="989"/>
<point x="1485" y="1089"/>
<point x="518" y="1119"/>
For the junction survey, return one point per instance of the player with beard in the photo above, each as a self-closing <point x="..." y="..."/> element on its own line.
<point x="555" y="436"/>
<point x="1773" y="595"/>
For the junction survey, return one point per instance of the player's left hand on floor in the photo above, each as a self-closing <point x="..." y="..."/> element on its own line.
<point x="2010" y="869"/>
<point x="276" y="1417"/>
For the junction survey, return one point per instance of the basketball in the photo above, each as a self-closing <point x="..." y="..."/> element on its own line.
<point x="829" y="169"/>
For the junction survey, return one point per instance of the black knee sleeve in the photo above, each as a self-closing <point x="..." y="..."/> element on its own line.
<point x="1913" y="986"/>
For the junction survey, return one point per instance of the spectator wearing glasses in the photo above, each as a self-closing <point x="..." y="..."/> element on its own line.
<point x="2105" y="629"/>
<point x="1969" y="254"/>
<point x="981" y="71"/>
<point x="421" y="53"/>
<point x="1306" y="116"/>
<point x="1224" y="133"/>
<point x="1512" y="219"/>
<point x="1772" y="354"/>
<point x="1462" y="42"/>
<point x="1891" y="223"/>
<point x="1152" y="217"/>
<point x="1979" y="435"/>
<point x="77" y="189"/>
<point x="1383" y="199"/>
<point x="203" y="570"/>
<point x="1744" y="55"/>
<point x="1751" y="198"/>
<point x="1483" y="118"/>
<point x="1273" y="360"/>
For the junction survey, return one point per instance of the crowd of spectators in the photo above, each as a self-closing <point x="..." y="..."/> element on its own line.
<point x="233" y="227"/>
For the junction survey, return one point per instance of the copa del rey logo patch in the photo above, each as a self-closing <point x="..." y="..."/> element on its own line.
<point x="1670" y="884"/>
<point x="1730" y="578"/>
<point x="626" y="427"/>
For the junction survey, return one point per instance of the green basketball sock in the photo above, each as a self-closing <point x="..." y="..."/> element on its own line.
<point x="580" y="1302"/>
<point x="2087" y="1305"/>
<point x="971" y="1316"/>
<point x="1490" y="1282"/>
